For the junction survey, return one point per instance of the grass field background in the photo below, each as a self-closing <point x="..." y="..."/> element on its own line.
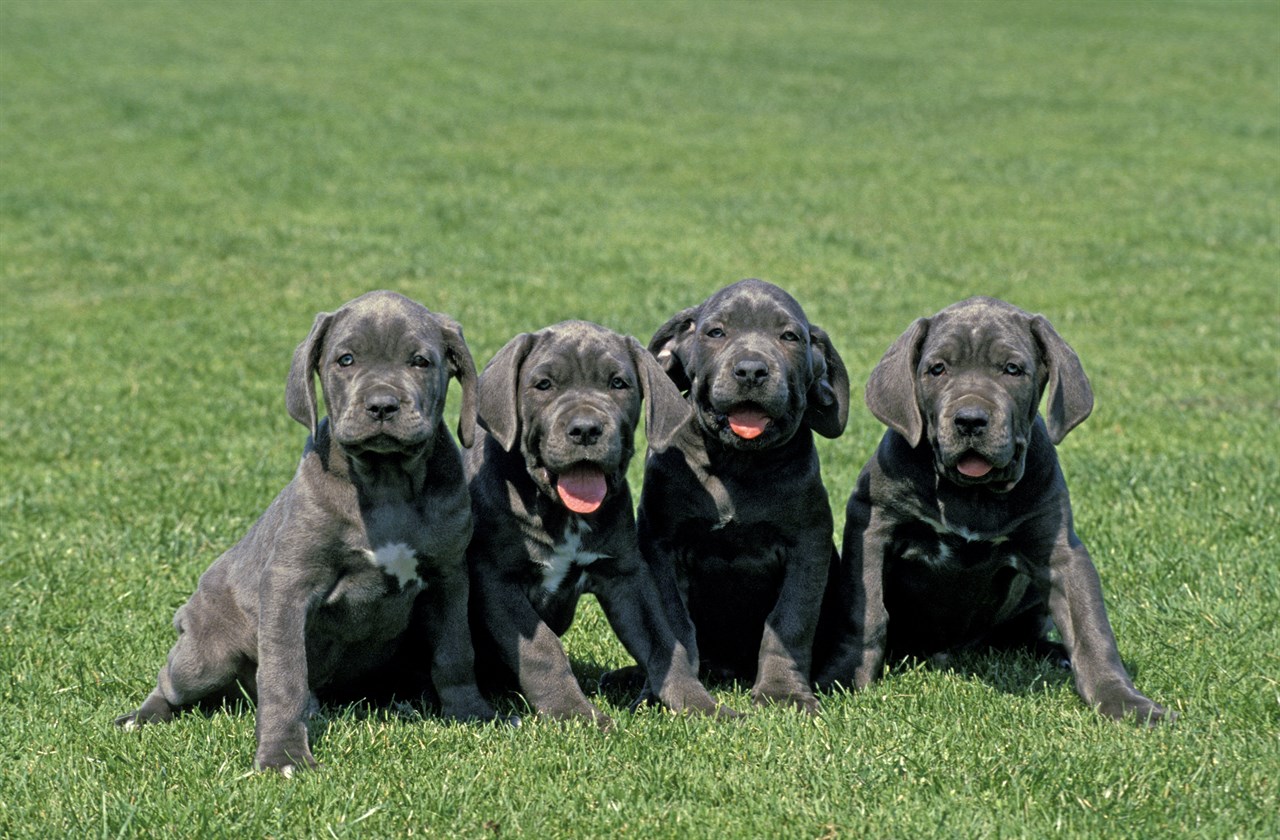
<point x="184" y="185"/>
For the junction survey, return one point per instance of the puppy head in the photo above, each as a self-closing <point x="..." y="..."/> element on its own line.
<point x="970" y="379"/>
<point x="384" y="363"/>
<point x="754" y="366"/>
<point x="570" y="397"/>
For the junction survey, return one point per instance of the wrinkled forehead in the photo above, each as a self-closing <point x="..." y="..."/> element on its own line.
<point x="384" y="323"/>
<point x="756" y="306"/>
<point x="580" y="350"/>
<point x="981" y="332"/>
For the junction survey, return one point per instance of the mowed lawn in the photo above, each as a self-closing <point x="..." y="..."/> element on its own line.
<point x="184" y="185"/>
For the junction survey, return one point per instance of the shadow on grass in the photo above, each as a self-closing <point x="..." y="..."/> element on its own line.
<point x="1014" y="672"/>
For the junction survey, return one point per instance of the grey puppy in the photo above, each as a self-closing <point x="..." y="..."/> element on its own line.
<point x="959" y="532"/>
<point x="548" y="480"/>
<point x="734" y="517"/>
<point x="360" y="559"/>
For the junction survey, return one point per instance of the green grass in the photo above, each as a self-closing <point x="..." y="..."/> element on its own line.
<point x="182" y="186"/>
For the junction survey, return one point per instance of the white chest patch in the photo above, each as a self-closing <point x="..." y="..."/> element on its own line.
<point x="567" y="554"/>
<point x="397" y="560"/>
<point x="963" y="532"/>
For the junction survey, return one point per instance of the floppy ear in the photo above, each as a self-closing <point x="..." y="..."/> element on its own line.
<point x="463" y="368"/>
<point x="668" y="345"/>
<point x="497" y="401"/>
<point x="891" y="390"/>
<point x="828" y="399"/>
<point x="300" y="388"/>
<point x="666" y="410"/>
<point x="1070" y="397"/>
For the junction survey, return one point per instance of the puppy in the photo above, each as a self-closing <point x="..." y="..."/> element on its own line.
<point x="559" y="409"/>
<point x="733" y="516"/>
<point x="361" y="558"/>
<point x="959" y="532"/>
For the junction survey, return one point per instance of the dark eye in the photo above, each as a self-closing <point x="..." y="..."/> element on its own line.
<point x="619" y="384"/>
<point x="715" y="332"/>
<point x="938" y="369"/>
<point x="420" y="361"/>
<point x="346" y="360"/>
<point x="1013" y="369"/>
<point x="790" y="336"/>
<point x="543" y="385"/>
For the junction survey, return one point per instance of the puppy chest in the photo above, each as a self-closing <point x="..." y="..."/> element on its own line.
<point x="372" y="576"/>
<point x="716" y="549"/>
<point x="563" y="563"/>
<point x="975" y="577"/>
<point x="944" y="551"/>
<point x="372" y="602"/>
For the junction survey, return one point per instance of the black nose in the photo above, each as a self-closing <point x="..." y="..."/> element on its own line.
<point x="751" y="372"/>
<point x="585" y="430"/>
<point x="382" y="407"/>
<point x="971" y="422"/>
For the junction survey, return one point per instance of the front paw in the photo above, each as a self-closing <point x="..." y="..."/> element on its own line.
<point x="1126" y="704"/>
<point x="583" y="712"/>
<point x="467" y="706"/>
<point x="797" y="697"/>
<point x="284" y="758"/>
<point x="483" y="713"/>
<point x="694" y="699"/>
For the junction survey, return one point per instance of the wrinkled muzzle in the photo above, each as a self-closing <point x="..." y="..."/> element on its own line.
<point x="977" y="439"/>
<point x="579" y="450"/>
<point x="749" y="399"/>
<point x="383" y="416"/>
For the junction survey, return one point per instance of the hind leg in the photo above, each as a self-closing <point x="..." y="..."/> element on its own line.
<point x="204" y="662"/>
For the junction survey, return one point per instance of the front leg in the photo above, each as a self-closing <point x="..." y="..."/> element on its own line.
<point x="629" y="597"/>
<point x="786" y="648"/>
<point x="660" y="559"/>
<point x="532" y="650"/>
<point x="452" y="654"/>
<point x="860" y="625"/>
<point x="285" y="701"/>
<point x="1075" y="600"/>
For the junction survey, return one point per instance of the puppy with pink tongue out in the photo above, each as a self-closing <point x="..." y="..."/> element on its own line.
<point x="959" y="534"/>
<point x="558" y="411"/>
<point x="734" y="518"/>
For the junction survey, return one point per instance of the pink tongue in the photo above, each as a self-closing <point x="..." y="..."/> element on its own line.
<point x="582" y="488"/>
<point x="974" y="466"/>
<point x="748" y="423"/>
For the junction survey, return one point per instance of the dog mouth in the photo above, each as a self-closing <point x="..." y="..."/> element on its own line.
<point x="385" y="442"/>
<point x="582" y="487"/>
<point x="973" y="465"/>
<point x="975" y="468"/>
<point x="747" y="421"/>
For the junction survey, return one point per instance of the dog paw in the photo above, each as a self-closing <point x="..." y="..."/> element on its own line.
<point x="723" y="712"/>
<point x="136" y="720"/>
<point x="155" y="709"/>
<point x="1151" y="715"/>
<point x="696" y="701"/>
<point x="801" y="701"/>
<point x="128" y="722"/>
<point x="1130" y="705"/>
<point x="286" y="761"/>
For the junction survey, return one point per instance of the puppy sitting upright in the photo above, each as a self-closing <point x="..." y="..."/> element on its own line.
<point x="733" y="516"/>
<point x="548" y="483"/>
<point x="360" y="559"/>
<point x="959" y="532"/>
